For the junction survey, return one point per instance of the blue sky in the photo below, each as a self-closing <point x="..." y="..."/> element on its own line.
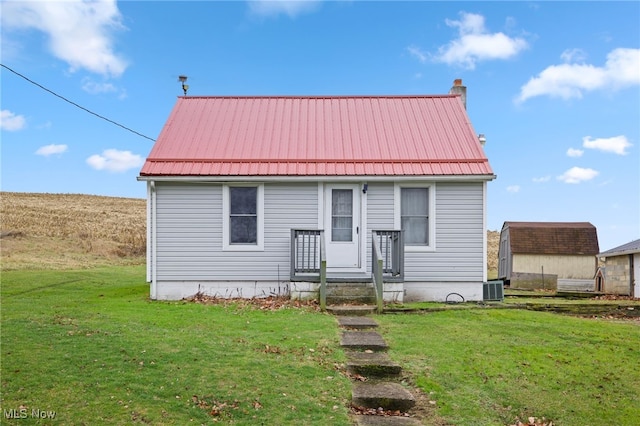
<point x="554" y="86"/>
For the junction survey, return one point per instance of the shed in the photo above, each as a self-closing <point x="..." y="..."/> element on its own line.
<point x="251" y="196"/>
<point x="622" y="269"/>
<point x="564" y="251"/>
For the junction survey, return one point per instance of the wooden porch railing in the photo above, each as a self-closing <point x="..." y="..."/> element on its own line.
<point x="391" y="246"/>
<point x="309" y="259"/>
<point x="387" y="263"/>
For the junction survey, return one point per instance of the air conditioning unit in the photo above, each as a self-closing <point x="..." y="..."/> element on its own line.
<point x="493" y="291"/>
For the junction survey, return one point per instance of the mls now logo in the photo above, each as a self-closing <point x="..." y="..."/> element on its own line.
<point x="12" y="413"/>
<point x="23" y="413"/>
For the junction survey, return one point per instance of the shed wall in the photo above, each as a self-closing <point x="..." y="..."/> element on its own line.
<point x="569" y="267"/>
<point x="618" y="275"/>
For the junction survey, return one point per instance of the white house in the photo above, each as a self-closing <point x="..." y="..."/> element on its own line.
<point x="244" y="191"/>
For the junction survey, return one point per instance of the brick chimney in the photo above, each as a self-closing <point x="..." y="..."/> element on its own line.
<point x="459" y="89"/>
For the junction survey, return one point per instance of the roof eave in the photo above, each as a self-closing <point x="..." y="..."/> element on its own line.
<point x="280" y="178"/>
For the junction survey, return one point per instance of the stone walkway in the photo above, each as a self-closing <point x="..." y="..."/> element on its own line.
<point x="367" y="357"/>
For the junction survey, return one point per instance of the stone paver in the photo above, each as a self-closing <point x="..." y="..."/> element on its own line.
<point x="351" y="310"/>
<point x="390" y="396"/>
<point x="386" y="421"/>
<point x="357" y="322"/>
<point x="372" y="364"/>
<point x="363" y="340"/>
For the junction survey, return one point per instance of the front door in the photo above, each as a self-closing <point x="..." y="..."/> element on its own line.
<point x="342" y="227"/>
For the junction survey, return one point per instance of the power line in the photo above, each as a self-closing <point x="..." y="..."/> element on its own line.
<point x="75" y="104"/>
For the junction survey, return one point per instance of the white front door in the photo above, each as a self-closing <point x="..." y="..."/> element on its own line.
<point x="342" y="227"/>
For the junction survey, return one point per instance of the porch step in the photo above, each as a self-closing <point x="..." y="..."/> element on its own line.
<point x="372" y="364"/>
<point x="351" y="310"/>
<point x="351" y="293"/>
<point x="389" y="396"/>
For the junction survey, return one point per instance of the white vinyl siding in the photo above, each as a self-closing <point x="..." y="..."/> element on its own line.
<point x="190" y="232"/>
<point x="458" y="237"/>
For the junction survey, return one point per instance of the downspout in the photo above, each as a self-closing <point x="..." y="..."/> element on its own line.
<point x="631" y="276"/>
<point x="149" y="232"/>
<point x="153" y="246"/>
<point x="484" y="234"/>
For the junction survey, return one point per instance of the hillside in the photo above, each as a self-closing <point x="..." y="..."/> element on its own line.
<point x="60" y="231"/>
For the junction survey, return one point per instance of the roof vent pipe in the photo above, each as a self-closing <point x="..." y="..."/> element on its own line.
<point x="459" y="89"/>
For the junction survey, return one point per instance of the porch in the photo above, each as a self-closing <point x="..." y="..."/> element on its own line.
<point x="385" y="273"/>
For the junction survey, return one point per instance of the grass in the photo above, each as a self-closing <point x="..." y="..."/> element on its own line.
<point x="491" y="367"/>
<point x="90" y="346"/>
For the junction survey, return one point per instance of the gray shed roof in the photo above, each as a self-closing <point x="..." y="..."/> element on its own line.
<point x="629" y="248"/>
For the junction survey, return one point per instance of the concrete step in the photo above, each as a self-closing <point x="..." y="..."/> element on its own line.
<point x="354" y="293"/>
<point x="386" y="421"/>
<point x="372" y="364"/>
<point x="389" y="396"/>
<point x="363" y="340"/>
<point x="359" y="323"/>
<point x="351" y="310"/>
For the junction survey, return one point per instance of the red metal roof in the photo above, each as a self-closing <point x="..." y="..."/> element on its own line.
<point x="317" y="136"/>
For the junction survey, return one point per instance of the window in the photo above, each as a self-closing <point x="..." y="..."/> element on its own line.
<point x="243" y="218"/>
<point x="341" y="215"/>
<point x="414" y="211"/>
<point x="243" y="215"/>
<point x="414" y="215"/>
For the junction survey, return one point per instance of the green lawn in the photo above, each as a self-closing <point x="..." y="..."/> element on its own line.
<point x="489" y="367"/>
<point x="91" y="347"/>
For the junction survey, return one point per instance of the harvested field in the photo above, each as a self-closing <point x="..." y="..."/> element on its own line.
<point x="66" y="231"/>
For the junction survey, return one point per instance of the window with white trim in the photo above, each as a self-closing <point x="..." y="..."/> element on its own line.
<point x="414" y="215"/>
<point x="243" y="217"/>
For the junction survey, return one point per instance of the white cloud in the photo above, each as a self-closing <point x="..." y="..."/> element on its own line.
<point x="572" y="152"/>
<point x="476" y="44"/>
<point x="11" y="122"/>
<point x="513" y="188"/>
<point x="79" y="32"/>
<point x="577" y="175"/>
<point x="292" y="8"/>
<point x="94" y="88"/>
<point x="417" y="53"/>
<point x="573" y="55"/>
<point x="617" y="144"/>
<point x="48" y="150"/>
<point x="571" y="80"/>
<point x="114" y="160"/>
<point x="542" y="179"/>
